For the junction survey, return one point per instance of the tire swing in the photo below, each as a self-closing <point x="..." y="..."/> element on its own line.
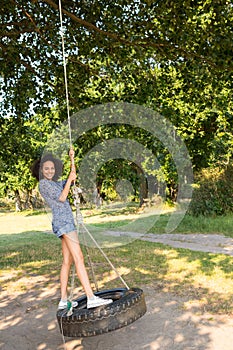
<point x="127" y="307"/>
<point x="128" y="303"/>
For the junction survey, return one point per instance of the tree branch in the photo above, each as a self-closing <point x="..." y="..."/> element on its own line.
<point x="144" y="43"/>
<point x="90" y="26"/>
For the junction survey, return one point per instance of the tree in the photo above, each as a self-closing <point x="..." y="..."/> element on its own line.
<point x="21" y="144"/>
<point x="172" y="56"/>
<point x="104" y="42"/>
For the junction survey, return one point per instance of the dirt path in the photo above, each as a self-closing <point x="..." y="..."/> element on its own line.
<point x="28" y="320"/>
<point x="200" y="242"/>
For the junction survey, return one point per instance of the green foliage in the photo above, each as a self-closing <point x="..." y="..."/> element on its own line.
<point x="21" y="144"/>
<point x="213" y="192"/>
<point x="174" y="57"/>
<point x="116" y="50"/>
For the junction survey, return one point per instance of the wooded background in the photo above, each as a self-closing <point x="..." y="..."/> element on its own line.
<point x="174" y="57"/>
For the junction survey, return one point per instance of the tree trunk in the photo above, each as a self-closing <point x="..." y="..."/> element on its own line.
<point x="28" y="200"/>
<point x="143" y="186"/>
<point x="18" y="202"/>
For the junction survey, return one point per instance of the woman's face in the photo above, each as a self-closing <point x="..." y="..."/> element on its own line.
<point x="48" y="170"/>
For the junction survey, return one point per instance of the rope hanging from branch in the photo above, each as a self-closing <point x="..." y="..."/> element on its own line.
<point x="75" y="192"/>
<point x="65" y="71"/>
<point x="131" y="300"/>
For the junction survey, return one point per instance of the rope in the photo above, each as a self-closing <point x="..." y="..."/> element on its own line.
<point x="79" y="222"/>
<point x="62" y="332"/>
<point x="79" y="219"/>
<point x="70" y="137"/>
<point x="78" y="213"/>
<point x="65" y="72"/>
<point x="90" y="264"/>
<point x="105" y="256"/>
<point x="76" y="195"/>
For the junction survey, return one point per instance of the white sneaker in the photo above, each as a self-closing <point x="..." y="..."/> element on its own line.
<point x="97" y="301"/>
<point x="63" y="304"/>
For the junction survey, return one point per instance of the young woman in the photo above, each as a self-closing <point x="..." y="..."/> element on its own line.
<point x="47" y="171"/>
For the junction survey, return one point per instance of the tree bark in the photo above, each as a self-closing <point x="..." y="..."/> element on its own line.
<point x="18" y="202"/>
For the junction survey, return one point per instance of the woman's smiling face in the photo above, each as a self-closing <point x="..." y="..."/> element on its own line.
<point x="48" y="170"/>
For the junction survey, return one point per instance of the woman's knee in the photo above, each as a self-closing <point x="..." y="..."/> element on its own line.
<point x="67" y="261"/>
<point x="79" y="258"/>
<point x="74" y="250"/>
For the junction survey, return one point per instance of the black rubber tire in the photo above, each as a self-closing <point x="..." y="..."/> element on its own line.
<point x="127" y="307"/>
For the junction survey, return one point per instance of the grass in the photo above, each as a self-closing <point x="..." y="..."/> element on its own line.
<point x="110" y="219"/>
<point x="28" y="255"/>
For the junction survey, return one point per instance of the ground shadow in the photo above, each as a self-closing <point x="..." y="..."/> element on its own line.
<point x="28" y="322"/>
<point x="28" y="319"/>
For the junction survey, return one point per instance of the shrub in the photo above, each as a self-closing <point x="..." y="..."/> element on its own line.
<point x="213" y="192"/>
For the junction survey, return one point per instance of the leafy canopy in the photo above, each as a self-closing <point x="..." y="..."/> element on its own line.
<point x="172" y="56"/>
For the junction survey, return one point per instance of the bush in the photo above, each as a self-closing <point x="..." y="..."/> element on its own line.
<point x="213" y="192"/>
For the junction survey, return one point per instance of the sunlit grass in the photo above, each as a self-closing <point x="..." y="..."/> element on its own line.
<point x="189" y="224"/>
<point x="203" y="277"/>
<point x="31" y="259"/>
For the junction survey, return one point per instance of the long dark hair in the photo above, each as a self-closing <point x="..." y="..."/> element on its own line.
<point x="37" y="166"/>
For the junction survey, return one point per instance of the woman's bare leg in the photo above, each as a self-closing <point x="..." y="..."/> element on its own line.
<point x="65" y="269"/>
<point x="71" y="244"/>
